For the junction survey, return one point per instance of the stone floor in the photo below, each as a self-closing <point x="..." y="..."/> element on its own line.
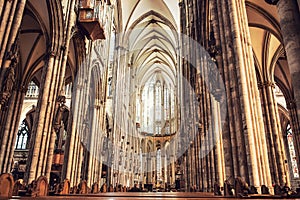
<point x="144" y="196"/>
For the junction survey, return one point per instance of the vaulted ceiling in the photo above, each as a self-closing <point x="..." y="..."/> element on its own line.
<point x="34" y="41"/>
<point x="135" y="10"/>
<point x="267" y="44"/>
<point x="150" y="35"/>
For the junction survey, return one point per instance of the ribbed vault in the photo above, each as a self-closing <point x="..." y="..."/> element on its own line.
<point x="151" y="38"/>
<point x="267" y="44"/>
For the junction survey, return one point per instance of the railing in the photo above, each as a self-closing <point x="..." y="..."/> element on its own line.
<point x="91" y="10"/>
<point x="92" y="17"/>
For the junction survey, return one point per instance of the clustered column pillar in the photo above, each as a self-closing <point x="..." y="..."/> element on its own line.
<point x="41" y="135"/>
<point x="73" y="150"/>
<point x="244" y="141"/>
<point x="290" y="28"/>
<point x="273" y="133"/>
<point x="11" y="12"/>
<point x="53" y="75"/>
<point x="288" y="11"/>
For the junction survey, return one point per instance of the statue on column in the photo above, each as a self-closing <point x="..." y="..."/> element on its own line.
<point x="61" y="100"/>
<point x="8" y="81"/>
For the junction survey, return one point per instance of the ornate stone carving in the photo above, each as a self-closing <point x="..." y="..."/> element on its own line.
<point x="269" y="84"/>
<point x="8" y="83"/>
<point x="9" y="77"/>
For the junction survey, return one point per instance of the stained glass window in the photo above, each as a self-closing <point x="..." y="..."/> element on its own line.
<point x="23" y="137"/>
<point x="158" y="164"/>
<point x="292" y="151"/>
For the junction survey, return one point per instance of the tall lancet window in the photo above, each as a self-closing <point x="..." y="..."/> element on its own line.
<point x="23" y="136"/>
<point x="292" y="151"/>
<point x="166" y="111"/>
<point x="158" y="107"/>
<point x="158" y="101"/>
<point x="158" y="164"/>
<point x="154" y="106"/>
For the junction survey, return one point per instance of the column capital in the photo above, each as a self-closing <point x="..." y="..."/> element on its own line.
<point x="269" y="84"/>
<point x="265" y="84"/>
<point x="272" y="2"/>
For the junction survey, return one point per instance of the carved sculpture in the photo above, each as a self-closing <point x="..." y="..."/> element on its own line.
<point x="59" y="114"/>
<point x="8" y="84"/>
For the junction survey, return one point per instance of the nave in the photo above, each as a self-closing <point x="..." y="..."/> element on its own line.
<point x="145" y="196"/>
<point x="165" y="95"/>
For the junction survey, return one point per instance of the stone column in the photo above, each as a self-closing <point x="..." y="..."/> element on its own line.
<point x="77" y="165"/>
<point x="91" y="146"/>
<point x="10" y="129"/>
<point x="12" y="12"/>
<point x="245" y="153"/>
<point x="289" y="16"/>
<point x="148" y="176"/>
<point x="273" y="133"/>
<point x="288" y="11"/>
<point x="38" y="136"/>
<point x="230" y="164"/>
<point x="14" y="127"/>
<point x="172" y="181"/>
<point x="295" y="125"/>
<point x="219" y="154"/>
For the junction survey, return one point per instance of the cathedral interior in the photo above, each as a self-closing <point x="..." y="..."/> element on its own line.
<point x="161" y="95"/>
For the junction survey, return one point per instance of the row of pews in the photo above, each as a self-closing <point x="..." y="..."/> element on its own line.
<point x="37" y="188"/>
<point x="40" y="188"/>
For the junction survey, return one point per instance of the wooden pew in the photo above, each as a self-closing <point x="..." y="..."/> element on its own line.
<point x="6" y="185"/>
